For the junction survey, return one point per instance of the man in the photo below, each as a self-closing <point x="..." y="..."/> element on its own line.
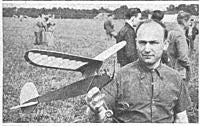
<point x="127" y="33"/>
<point x="109" y="27"/>
<point x="39" y="31"/>
<point x="191" y="33"/>
<point x="49" y="27"/>
<point x="145" y="90"/>
<point x="178" y="49"/>
<point x="157" y="15"/>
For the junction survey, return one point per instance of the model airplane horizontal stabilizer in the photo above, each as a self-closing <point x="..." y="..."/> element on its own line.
<point x="75" y="89"/>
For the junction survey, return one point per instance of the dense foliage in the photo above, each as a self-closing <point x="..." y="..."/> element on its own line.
<point x="83" y="13"/>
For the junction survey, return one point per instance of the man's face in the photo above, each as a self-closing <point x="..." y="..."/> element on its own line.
<point x="150" y="42"/>
<point x="137" y="20"/>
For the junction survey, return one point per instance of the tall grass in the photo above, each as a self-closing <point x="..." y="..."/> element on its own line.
<point x="80" y="37"/>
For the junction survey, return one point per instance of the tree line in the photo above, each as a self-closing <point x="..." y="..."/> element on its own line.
<point x="85" y="13"/>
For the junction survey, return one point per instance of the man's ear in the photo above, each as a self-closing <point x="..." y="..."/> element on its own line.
<point x="132" y="18"/>
<point x="166" y="44"/>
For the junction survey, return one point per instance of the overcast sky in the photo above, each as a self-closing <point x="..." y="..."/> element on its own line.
<point x="93" y="4"/>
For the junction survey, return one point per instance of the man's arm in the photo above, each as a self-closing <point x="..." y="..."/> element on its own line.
<point x="120" y="36"/>
<point x="183" y="52"/>
<point x="181" y="117"/>
<point x="182" y="49"/>
<point x="183" y="103"/>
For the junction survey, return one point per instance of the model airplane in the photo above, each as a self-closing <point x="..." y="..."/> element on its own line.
<point x="29" y="97"/>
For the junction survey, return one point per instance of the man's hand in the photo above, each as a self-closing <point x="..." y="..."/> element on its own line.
<point x="96" y="103"/>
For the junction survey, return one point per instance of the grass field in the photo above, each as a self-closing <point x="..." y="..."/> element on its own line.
<point x="83" y="37"/>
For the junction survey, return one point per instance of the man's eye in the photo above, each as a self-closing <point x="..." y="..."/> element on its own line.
<point x="153" y="42"/>
<point x="142" y="42"/>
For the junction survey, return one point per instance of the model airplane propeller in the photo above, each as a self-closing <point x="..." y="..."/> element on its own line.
<point x="29" y="97"/>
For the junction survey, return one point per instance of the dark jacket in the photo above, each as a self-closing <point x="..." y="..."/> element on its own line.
<point x="195" y="32"/>
<point x="128" y="54"/>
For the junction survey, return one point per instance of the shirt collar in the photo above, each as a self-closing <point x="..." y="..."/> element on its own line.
<point x="143" y="69"/>
<point x="130" y="23"/>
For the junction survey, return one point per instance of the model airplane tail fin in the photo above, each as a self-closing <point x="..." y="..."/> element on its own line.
<point x="28" y="92"/>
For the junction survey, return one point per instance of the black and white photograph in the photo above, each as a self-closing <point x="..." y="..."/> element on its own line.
<point x="100" y="62"/>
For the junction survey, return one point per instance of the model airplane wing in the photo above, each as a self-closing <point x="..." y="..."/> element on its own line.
<point x="58" y="60"/>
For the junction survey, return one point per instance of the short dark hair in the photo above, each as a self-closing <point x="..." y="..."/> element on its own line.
<point x="182" y="15"/>
<point x="160" y="23"/>
<point x="145" y="14"/>
<point x="157" y="15"/>
<point x="132" y="12"/>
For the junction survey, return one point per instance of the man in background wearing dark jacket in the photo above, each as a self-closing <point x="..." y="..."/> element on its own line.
<point x="127" y="33"/>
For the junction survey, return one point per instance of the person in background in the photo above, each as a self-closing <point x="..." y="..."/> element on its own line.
<point x="39" y="30"/>
<point x="157" y="15"/>
<point x="144" y="91"/>
<point x="145" y="15"/>
<point x="109" y="27"/>
<point x="49" y="27"/>
<point x="191" y="33"/>
<point x="178" y="49"/>
<point x="127" y="33"/>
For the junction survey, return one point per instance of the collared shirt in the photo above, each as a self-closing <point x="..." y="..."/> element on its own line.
<point x="140" y="95"/>
<point x="130" y="23"/>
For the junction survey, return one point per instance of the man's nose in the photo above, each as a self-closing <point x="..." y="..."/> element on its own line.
<point x="147" y="48"/>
